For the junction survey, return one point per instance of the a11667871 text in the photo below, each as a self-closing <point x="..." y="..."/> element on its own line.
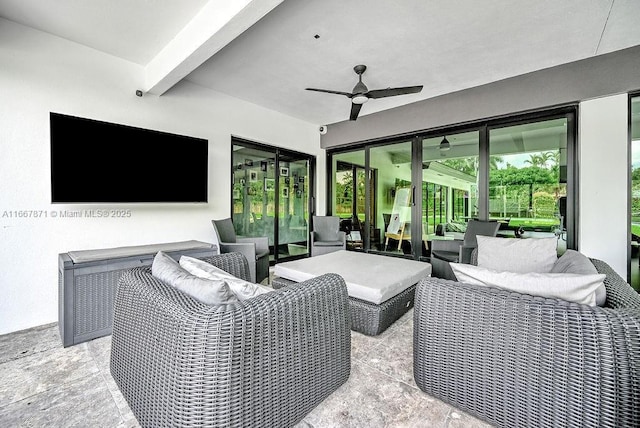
<point x="85" y="213"/>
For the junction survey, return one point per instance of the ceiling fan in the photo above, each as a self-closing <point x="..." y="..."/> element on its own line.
<point x="361" y="93"/>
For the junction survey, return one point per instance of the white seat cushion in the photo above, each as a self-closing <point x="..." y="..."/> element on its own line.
<point x="370" y="277"/>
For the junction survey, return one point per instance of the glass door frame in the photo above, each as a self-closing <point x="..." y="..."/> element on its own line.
<point x="570" y="112"/>
<point x="277" y="153"/>
<point x="631" y="96"/>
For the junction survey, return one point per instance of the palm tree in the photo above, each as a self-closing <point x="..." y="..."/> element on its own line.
<point x="534" y="160"/>
<point x="541" y="159"/>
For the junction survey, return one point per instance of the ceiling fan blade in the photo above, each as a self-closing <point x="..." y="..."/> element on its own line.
<point x="346" y="94"/>
<point x="390" y="92"/>
<point x="355" y="110"/>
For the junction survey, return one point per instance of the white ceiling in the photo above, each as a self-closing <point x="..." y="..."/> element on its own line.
<point x="445" y="46"/>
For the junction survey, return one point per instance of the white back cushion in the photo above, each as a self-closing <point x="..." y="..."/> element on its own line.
<point x="517" y="255"/>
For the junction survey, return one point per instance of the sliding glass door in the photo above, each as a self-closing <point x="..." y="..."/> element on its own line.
<point x="634" y="192"/>
<point x="519" y="171"/>
<point x="349" y="190"/>
<point x="528" y="179"/>
<point x="293" y="206"/>
<point x="449" y="185"/>
<point x="394" y="194"/>
<point x="272" y="197"/>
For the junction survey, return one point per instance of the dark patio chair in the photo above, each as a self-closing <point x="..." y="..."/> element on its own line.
<point x="459" y="251"/>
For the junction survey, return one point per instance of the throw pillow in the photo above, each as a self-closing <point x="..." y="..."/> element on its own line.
<point x="206" y="291"/>
<point x="566" y="286"/>
<point x="241" y="288"/>
<point x="517" y="255"/>
<point x="574" y="262"/>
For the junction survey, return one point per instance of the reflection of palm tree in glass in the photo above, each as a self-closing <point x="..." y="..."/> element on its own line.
<point x="469" y="165"/>
<point x="541" y="159"/>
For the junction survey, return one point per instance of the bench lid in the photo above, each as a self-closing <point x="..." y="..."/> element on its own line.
<point x="84" y="256"/>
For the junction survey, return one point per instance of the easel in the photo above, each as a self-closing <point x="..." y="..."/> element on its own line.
<point x="398" y="228"/>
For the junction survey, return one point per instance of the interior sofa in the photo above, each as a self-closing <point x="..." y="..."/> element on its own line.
<point x="266" y="361"/>
<point x="515" y="360"/>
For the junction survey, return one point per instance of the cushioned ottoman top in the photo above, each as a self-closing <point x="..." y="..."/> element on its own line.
<point x="84" y="256"/>
<point x="370" y="277"/>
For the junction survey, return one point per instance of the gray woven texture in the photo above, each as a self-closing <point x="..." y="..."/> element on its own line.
<point x="369" y="318"/>
<point x="263" y="362"/>
<point x="521" y="361"/>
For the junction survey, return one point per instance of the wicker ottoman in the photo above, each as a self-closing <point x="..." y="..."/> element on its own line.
<point x="381" y="288"/>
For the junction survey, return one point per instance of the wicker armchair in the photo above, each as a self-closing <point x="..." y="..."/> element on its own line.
<point x="515" y="360"/>
<point x="263" y="362"/>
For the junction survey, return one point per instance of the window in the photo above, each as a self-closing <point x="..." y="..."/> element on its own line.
<point x="449" y="184"/>
<point x="517" y="170"/>
<point x="634" y="119"/>
<point x="528" y="179"/>
<point x="271" y="196"/>
<point x="394" y="194"/>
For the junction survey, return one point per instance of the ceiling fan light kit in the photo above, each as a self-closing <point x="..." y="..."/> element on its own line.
<point x="359" y="99"/>
<point x="361" y="94"/>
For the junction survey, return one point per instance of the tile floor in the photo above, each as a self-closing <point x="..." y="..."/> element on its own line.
<point x="46" y="385"/>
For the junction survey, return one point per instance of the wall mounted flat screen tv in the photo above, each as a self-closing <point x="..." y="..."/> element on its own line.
<point x="101" y="162"/>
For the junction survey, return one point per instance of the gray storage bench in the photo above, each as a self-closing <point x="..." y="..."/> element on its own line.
<point x="88" y="279"/>
<point x="381" y="288"/>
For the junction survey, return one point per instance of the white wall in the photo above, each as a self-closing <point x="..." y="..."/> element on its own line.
<point x="41" y="73"/>
<point x="603" y="203"/>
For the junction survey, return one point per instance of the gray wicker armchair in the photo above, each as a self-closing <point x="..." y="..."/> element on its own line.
<point x="263" y="362"/>
<point x="515" y="360"/>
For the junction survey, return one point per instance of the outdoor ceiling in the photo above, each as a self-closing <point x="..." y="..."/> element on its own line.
<point x="266" y="51"/>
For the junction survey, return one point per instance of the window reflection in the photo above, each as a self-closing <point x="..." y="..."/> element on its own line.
<point x="449" y="186"/>
<point x="527" y="179"/>
<point x="635" y="192"/>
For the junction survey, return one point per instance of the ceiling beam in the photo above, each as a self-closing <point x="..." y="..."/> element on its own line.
<point x="217" y="24"/>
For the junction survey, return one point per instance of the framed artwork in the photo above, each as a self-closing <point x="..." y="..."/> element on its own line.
<point x="236" y="193"/>
<point x="253" y="175"/>
<point x="263" y="166"/>
<point x="269" y="184"/>
<point x="301" y="179"/>
<point x="286" y="180"/>
<point x="285" y="192"/>
<point x="248" y="162"/>
<point x="284" y="171"/>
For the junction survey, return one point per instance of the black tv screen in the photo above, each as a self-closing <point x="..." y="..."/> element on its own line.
<point x="101" y="162"/>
